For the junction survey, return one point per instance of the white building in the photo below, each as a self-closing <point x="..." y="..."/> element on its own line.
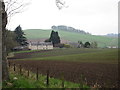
<point x="40" y="45"/>
<point x="112" y="47"/>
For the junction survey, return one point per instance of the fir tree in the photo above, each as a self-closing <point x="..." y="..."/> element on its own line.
<point x="54" y="38"/>
<point x="20" y="38"/>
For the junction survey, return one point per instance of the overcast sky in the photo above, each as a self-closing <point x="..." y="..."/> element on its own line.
<point x="98" y="17"/>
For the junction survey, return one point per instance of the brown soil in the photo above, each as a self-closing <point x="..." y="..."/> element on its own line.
<point x="27" y="54"/>
<point x="106" y="75"/>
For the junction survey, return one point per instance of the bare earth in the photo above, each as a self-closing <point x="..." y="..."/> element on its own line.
<point x="106" y="75"/>
<point x="27" y="54"/>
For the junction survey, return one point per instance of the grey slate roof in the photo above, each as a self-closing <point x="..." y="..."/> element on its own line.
<point x="40" y="43"/>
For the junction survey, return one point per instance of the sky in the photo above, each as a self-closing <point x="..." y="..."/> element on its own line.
<point x="98" y="17"/>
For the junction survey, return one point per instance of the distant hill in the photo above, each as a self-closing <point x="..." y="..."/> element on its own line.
<point x="113" y="35"/>
<point x="69" y="29"/>
<point x="38" y="34"/>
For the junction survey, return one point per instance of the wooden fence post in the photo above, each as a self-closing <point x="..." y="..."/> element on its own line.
<point x="47" y="83"/>
<point x="20" y="70"/>
<point x="62" y="83"/>
<point x="9" y="64"/>
<point x="63" y="80"/>
<point x="81" y="81"/>
<point x="28" y="72"/>
<point x="14" y="67"/>
<point x="37" y="74"/>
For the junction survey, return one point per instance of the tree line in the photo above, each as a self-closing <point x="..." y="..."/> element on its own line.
<point x="70" y="29"/>
<point x="55" y="39"/>
<point x="87" y="44"/>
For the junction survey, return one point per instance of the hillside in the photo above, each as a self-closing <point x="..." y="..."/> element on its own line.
<point x="36" y="34"/>
<point x="69" y="29"/>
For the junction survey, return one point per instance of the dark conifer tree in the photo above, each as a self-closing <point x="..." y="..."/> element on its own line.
<point x="20" y="38"/>
<point x="54" y="38"/>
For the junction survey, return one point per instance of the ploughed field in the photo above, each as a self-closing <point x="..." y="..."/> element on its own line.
<point x="93" y="67"/>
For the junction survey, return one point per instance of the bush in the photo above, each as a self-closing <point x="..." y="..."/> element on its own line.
<point x="59" y="45"/>
<point x="87" y="45"/>
<point x="67" y="46"/>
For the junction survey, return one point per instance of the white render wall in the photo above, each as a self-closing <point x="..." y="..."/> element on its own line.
<point x="40" y="47"/>
<point x="32" y="47"/>
<point x="50" y="47"/>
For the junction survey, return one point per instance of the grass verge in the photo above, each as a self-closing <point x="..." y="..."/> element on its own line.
<point x="23" y="81"/>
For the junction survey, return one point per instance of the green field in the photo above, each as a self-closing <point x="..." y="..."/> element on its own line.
<point x="99" y="57"/>
<point x="72" y="36"/>
<point x="79" y="55"/>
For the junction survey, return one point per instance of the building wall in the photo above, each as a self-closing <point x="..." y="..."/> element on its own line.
<point x="40" y="47"/>
<point x="33" y="47"/>
<point x="50" y="47"/>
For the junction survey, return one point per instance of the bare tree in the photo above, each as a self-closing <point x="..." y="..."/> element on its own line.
<point x="5" y="75"/>
<point x="60" y="4"/>
<point x="14" y="7"/>
<point x="9" y="8"/>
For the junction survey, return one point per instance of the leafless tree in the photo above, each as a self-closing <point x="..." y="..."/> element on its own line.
<point x="8" y="9"/>
<point x="60" y="4"/>
<point x="14" y="6"/>
<point x="5" y="75"/>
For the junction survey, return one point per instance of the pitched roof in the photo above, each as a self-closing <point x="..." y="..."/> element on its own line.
<point x="40" y="43"/>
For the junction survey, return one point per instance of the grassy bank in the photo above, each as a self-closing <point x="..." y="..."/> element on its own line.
<point x="23" y="81"/>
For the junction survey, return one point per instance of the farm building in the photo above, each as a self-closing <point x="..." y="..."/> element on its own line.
<point x="40" y="45"/>
<point x="20" y="48"/>
<point x="112" y="47"/>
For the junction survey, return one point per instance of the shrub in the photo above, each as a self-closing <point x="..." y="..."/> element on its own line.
<point x="67" y="46"/>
